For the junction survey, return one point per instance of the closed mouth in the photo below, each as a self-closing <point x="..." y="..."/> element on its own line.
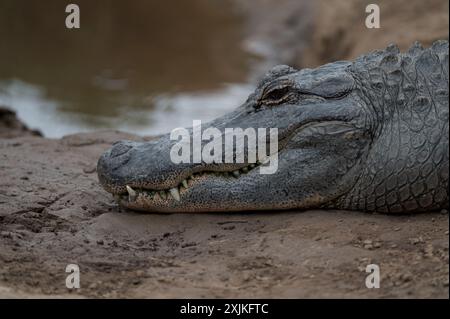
<point x="134" y="193"/>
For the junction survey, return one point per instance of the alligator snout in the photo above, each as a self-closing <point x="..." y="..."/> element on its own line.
<point x="140" y="165"/>
<point x="120" y="148"/>
<point x="117" y="156"/>
<point x="112" y="160"/>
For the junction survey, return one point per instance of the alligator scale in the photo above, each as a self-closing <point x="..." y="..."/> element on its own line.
<point x="367" y="135"/>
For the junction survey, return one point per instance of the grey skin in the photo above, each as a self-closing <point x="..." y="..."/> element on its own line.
<point x="368" y="135"/>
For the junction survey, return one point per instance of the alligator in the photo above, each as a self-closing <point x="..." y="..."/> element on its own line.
<point x="369" y="135"/>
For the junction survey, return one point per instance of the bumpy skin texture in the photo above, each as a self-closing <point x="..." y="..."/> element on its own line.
<point x="369" y="135"/>
<point x="407" y="168"/>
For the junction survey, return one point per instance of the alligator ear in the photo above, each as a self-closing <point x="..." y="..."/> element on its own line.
<point x="328" y="81"/>
<point x="334" y="86"/>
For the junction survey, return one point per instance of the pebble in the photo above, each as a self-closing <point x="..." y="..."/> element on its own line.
<point x="415" y="241"/>
<point x="367" y="244"/>
<point x="140" y="273"/>
<point x="191" y="244"/>
<point x="406" y="277"/>
<point x="229" y="227"/>
<point x="140" y="243"/>
<point x="94" y="285"/>
<point x="89" y="170"/>
<point x="429" y="250"/>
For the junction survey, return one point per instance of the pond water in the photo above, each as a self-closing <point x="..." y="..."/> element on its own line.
<point x="140" y="66"/>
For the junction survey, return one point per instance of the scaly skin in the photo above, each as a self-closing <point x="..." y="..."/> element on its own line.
<point x="368" y="135"/>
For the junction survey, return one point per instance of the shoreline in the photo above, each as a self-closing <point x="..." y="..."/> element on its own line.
<point x="53" y="212"/>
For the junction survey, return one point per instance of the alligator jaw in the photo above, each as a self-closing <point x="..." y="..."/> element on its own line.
<point x="130" y="193"/>
<point x="133" y="195"/>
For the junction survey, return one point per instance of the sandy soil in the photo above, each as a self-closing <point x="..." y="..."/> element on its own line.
<point x="53" y="212"/>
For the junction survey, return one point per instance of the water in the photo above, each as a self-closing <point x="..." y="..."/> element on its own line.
<point x="139" y="66"/>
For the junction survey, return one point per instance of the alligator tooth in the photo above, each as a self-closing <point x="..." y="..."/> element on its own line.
<point x="175" y="193"/>
<point x="162" y="194"/>
<point x="244" y="169"/>
<point x="236" y="173"/>
<point x="184" y="183"/>
<point x="131" y="193"/>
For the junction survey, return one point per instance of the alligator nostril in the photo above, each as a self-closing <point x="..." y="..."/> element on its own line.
<point x="119" y="149"/>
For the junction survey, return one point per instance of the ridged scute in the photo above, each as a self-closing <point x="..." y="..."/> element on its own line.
<point x="409" y="78"/>
<point x="407" y="166"/>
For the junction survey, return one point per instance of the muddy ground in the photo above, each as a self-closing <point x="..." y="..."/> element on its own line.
<point x="53" y="212"/>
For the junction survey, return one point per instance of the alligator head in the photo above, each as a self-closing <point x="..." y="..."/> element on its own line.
<point x="347" y="138"/>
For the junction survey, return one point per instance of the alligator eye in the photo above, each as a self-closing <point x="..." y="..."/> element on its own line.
<point x="276" y="96"/>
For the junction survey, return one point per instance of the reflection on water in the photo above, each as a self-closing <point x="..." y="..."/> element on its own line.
<point x="167" y="112"/>
<point x="142" y="66"/>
